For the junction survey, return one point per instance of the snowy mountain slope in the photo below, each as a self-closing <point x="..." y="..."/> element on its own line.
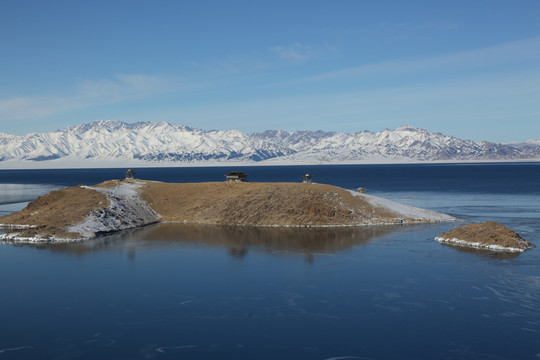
<point x="527" y="146"/>
<point x="161" y="142"/>
<point x="151" y="141"/>
<point x="404" y="143"/>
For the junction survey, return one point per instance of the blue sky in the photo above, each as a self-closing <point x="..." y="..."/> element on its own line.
<point x="465" y="68"/>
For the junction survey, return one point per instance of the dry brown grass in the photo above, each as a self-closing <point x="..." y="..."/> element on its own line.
<point x="226" y="203"/>
<point x="51" y="214"/>
<point x="488" y="233"/>
<point x="281" y="204"/>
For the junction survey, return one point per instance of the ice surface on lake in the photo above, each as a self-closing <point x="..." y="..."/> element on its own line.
<point x="18" y="193"/>
<point x="161" y="291"/>
<point x="405" y="211"/>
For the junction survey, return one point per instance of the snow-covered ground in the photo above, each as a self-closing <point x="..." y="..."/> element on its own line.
<point x="477" y="245"/>
<point x="15" y="237"/>
<point x="404" y="211"/>
<point x="126" y="210"/>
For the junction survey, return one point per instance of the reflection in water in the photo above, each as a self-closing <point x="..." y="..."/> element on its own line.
<point x="238" y="252"/>
<point x="238" y="240"/>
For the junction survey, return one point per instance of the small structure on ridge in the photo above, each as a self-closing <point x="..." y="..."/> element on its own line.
<point x="130" y="174"/>
<point x="236" y="176"/>
<point x="308" y="179"/>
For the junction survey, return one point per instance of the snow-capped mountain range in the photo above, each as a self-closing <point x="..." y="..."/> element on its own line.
<point x="160" y="143"/>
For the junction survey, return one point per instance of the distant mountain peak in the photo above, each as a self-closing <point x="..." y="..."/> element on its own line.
<point x="164" y="143"/>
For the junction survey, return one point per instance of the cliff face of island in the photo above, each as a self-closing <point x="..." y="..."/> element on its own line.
<point x="84" y="212"/>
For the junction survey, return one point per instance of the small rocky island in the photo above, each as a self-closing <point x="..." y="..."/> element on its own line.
<point x="488" y="235"/>
<point x="84" y="212"/>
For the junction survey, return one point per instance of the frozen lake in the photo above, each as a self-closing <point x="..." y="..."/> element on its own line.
<point x="175" y="291"/>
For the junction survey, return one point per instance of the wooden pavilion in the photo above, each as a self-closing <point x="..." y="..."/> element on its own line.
<point x="236" y="176"/>
<point x="130" y="174"/>
<point x="308" y="179"/>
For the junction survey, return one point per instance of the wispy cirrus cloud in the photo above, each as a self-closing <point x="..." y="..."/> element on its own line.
<point x="484" y="100"/>
<point x="392" y="31"/>
<point x="123" y="86"/>
<point x="295" y="52"/>
<point x="513" y="54"/>
<point x="436" y="25"/>
<point x="88" y="93"/>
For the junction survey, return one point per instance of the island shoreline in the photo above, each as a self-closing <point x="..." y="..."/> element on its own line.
<point x="119" y="205"/>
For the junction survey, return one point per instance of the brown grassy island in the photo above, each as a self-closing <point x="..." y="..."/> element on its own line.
<point x="83" y="212"/>
<point x="488" y="235"/>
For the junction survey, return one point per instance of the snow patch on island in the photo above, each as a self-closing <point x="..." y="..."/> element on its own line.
<point x="16" y="226"/>
<point x="406" y="212"/>
<point x="126" y="210"/>
<point x="16" y="237"/>
<point x="477" y="245"/>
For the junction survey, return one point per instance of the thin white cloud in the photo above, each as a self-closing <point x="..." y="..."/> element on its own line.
<point x="296" y="52"/>
<point x="395" y="31"/>
<point x="512" y="53"/>
<point x="505" y="96"/>
<point x="123" y="87"/>
<point x="23" y="108"/>
<point x="436" y="25"/>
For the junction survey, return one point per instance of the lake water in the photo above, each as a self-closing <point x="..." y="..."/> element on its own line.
<point x="176" y="291"/>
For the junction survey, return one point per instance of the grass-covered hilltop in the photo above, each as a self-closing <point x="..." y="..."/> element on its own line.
<point x="84" y="212"/>
<point x="488" y="235"/>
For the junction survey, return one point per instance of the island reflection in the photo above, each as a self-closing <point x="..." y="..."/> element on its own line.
<point x="238" y="240"/>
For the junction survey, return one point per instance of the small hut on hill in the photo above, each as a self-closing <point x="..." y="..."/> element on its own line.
<point x="308" y="179"/>
<point x="236" y="176"/>
<point x="130" y="174"/>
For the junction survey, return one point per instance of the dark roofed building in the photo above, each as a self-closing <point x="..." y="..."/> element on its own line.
<point x="308" y="179"/>
<point x="236" y="176"/>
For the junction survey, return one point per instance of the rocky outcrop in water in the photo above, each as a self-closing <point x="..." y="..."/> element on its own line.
<point x="488" y="235"/>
